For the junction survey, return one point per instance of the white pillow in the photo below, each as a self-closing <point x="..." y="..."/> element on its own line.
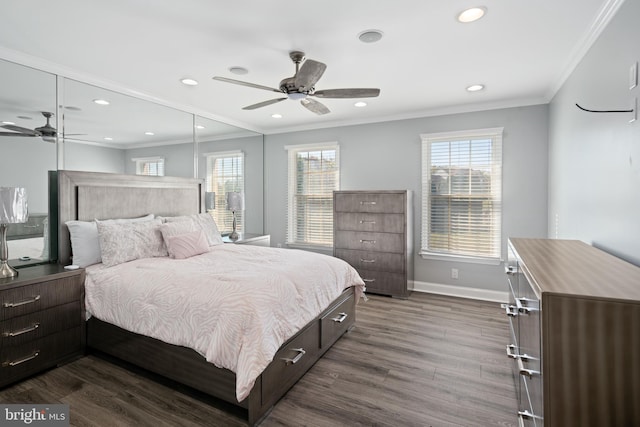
<point x="204" y="222"/>
<point x="122" y="242"/>
<point x="85" y="244"/>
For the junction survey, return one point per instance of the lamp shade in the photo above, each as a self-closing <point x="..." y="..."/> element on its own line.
<point x="210" y="200"/>
<point x="13" y="205"/>
<point x="235" y="201"/>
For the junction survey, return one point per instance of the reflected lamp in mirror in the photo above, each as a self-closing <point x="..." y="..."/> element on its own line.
<point x="13" y="210"/>
<point x="209" y="200"/>
<point x="235" y="203"/>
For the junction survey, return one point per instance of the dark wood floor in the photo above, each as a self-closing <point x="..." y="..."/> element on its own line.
<point x="426" y="361"/>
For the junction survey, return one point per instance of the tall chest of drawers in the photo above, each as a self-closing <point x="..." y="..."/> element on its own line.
<point x="41" y="320"/>
<point x="574" y="315"/>
<point x="373" y="232"/>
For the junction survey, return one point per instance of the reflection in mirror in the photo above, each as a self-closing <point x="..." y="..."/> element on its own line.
<point x="230" y="159"/>
<point x="26" y="154"/>
<point x="106" y="131"/>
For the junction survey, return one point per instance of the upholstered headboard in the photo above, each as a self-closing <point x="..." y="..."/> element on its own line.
<point x="86" y="196"/>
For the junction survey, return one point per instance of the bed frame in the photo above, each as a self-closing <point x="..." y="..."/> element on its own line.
<point x="90" y="195"/>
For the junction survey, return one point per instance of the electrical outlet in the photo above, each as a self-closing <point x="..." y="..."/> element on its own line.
<point x="454" y="273"/>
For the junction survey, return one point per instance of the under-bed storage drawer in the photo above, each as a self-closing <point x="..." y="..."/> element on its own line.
<point x="291" y="362"/>
<point x="337" y="321"/>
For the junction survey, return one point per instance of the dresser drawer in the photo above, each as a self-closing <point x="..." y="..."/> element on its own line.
<point x="364" y="241"/>
<point x="28" y="299"/>
<point x="375" y="261"/>
<point x="337" y="321"/>
<point x="370" y="202"/>
<point x="291" y="362"/>
<point x="22" y="329"/>
<point x="18" y="361"/>
<point x="389" y="223"/>
<point x="384" y="282"/>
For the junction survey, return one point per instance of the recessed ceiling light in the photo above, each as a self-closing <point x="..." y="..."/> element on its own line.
<point x="475" y="88"/>
<point x="25" y="117"/>
<point x="108" y="138"/>
<point x="360" y="104"/>
<point x="101" y="101"/>
<point x="199" y="127"/>
<point x="8" y="123"/>
<point x="72" y="108"/>
<point x="189" y="82"/>
<point x="472" y="14"/>
<point x="276" y="116"/>
<point x="370" y="36"/>
<point x="238" y="70"/>
<point x="149" y="133"/>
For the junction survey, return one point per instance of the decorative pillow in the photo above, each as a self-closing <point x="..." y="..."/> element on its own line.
<point x="204" y="222"/>
<point x="85" y="243"/>
<point x="128" y="241"/>
<point x="170" y="229"/>
<point x="181" y="246"/>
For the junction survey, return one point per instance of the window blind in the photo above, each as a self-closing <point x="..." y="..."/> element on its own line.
<point x="225" y="173"/>
<point x="462" y="193"/>
<point x="150" y="166"/>
<point x="314" y="174"/>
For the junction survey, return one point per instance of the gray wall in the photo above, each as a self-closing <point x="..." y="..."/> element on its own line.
<point x="178" y="159"/>
<point x="85" y="157"/>
<point x="386" y="156"/>
<point x="594" y="159"/>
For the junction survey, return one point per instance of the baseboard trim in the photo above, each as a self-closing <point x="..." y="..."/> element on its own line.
<point x="461" y="291"/>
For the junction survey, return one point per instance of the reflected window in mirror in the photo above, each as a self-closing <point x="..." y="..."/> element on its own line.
<point x="225" y="174"/>
<point x="149" y="166"/>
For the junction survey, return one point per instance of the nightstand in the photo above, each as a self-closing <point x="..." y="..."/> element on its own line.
<point x="41" y="320"/>
<point x="250" y="239"/>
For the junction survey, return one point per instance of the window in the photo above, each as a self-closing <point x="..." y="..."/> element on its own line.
<point x="151" y="166"/>
<point x="314" y="173"/>
<point x="225" y="173"/>
<point x="462" y="194"/>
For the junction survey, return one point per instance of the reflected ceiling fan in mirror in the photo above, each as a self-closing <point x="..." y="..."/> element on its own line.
<point x="301" y="86"/>
<point x="47" y="132"/>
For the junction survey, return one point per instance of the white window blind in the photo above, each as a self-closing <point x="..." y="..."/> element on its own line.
<point x="225" y="173"/>
<point x="462" y="193"/>
<point x="151" y="166"/>
<point x="314" y="173"/>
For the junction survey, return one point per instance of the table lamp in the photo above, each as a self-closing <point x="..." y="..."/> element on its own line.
<point x="235" y="202"/>
<point x="13" y="210"/>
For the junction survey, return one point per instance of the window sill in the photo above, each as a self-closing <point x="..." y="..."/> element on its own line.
<point x="459" y="258"/>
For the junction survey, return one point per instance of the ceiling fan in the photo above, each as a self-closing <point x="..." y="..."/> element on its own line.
<point x="47" y="132"/>
<point x="301" y="86"/>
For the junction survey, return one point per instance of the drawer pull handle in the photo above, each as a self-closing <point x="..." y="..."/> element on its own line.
<point x="372" y="242"/>
<point x="21" y="331"/>
<point x="11" y="363"/>
<point x="511" y="352"/>
<point x="18" y="304"/>
<point x="367" y="260"/>
<point x="341" y="317"/>
<point x="296" y="359"/>
<point x="525" y="372"/>
<point x="510" y="270"/>
<point x="367" y="221"/>
<point x="364" y="202"/>
<point x="522" y="415"/>
<point x="368" y="280"/>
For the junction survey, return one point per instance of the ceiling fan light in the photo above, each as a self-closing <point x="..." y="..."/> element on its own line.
<point x="472" y="14"/>
<point x="296" y="96"/>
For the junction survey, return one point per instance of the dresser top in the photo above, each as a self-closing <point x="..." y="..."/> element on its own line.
<point x="573" y="267"/>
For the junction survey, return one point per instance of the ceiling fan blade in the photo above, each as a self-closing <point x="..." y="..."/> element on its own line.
<point x="314" y="106"/>
<point x="21" y="130"/>
<point x="263" y="104"/>
<point x="16" y="134"/>
<point x="241" y="83"/>
<point x="308" y="74"/>
<point x="347" y="93"/>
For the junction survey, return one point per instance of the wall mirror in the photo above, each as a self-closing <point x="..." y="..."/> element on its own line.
<point x="115" y="136"/>
<point x="25" y="94"/>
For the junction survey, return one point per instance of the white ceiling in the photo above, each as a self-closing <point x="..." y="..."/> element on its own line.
<point x="521" y="51"/>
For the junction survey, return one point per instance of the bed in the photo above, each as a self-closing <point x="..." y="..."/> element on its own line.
<point x="85" y="196"/>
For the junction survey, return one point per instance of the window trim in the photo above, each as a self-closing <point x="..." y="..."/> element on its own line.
<point x="497" y="136"/>
<point x="292" y="151"/>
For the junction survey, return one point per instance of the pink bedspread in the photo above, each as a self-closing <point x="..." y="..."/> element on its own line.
<point x="235" y="305"/>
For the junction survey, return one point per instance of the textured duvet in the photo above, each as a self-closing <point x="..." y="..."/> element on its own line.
<point x="235" y="305"/>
